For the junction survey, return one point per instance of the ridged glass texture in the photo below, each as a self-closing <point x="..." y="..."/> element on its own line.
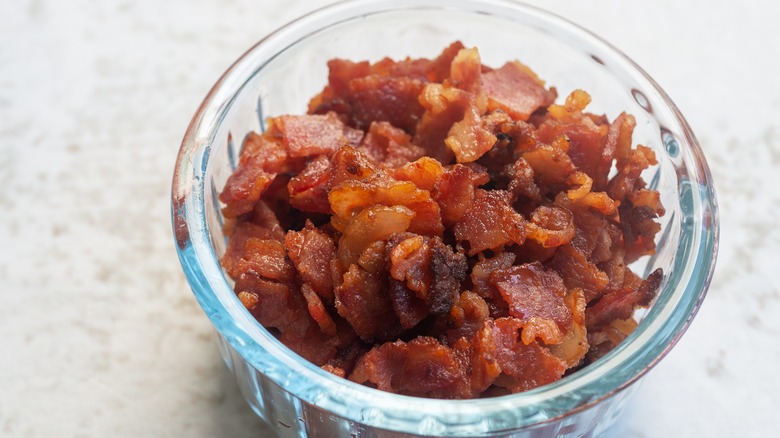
<point x="283" y="71"/>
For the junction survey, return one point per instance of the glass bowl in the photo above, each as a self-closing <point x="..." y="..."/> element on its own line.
<point x="280" y="74"/>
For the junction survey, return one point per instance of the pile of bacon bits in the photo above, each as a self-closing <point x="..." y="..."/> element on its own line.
<point x="439" y="228"/>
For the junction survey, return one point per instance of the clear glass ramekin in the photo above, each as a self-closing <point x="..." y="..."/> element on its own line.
<point x="280" y="74"/>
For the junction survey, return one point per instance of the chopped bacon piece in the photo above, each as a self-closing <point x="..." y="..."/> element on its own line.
<point x="309" y="135"/>
<point x="489" y="223"/>
<point x="480" y="273"/>
<point x="586" y="137"/>
<point x="341" y="71"/>
<point x="244" y="187"/>
<point x="235" y="249"/>
<point x="373" y="259"/>
<point x="466" y="71"/>
<point x="362" y="300"/>
<point x="274" y="304"/>
<point x="422" y="367"/>
<point x="523" y="367"/>
<point x="574" y="345"/>
<point x="424" y="173"/>
<point x="408" y="307"/>
<point x="349" y="164"/>
<point x="603" y="340"/>
<point x="439" y="69"/>
<point x="620" y="304"/>
<point x="312" y="252"/>
<point x="309" y="189"/>
<point x="412" y="68"/>
<point x="265" y="217"/>
<point x="617" y="145"/>
<point x="409" y="259"/>
<point x="480" y="357"/>
<point x="521" y="181"/>
<point x="428" y="268"/>
<point x="551" y="166"/>
<point x="374" y="223"/>
<point x="377" y="98"/>
<point x="551" y="226"/>
<point x="317" y="310"/>
<point x="454" y="191"/>
<point x="577" y="271"/>
<point x="265" y="151"/>
<point x="628" y="176"/>
<point x="466" y="316"/>
<point x="350" y="197"/>
<point x="337" y="371"/>
<point x="468" y="139"/>
<point x="320" y="348"/>
<point x="267" y="259"/>
<point x="443" y="106"/>
<point x="533" y="291"/>
<point x="388" y="146"/>
<point x="516" y="90"/>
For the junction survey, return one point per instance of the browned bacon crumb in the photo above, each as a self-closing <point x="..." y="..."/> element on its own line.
<point x="439" y="228"/>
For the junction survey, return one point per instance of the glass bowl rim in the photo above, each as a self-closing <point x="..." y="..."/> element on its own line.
<point x="581" y="390"/>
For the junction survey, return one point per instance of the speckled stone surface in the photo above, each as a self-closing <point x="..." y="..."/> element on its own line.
<point x="99" y="333"/>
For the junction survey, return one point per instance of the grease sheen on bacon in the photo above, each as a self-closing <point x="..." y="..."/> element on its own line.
<point x="441" y="228"/>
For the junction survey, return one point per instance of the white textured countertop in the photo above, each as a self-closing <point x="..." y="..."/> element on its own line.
<point x="99" y="333"/>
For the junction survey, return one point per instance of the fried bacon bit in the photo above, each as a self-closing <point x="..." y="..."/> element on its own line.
<point x="444" y="106"/>
<point x="574" y="345"/>
<point x="422" y="367"/>
<point x="521" y="181"/>
<point x="480" y="273"/>
<point x="484" y="224"/>
<point x="309" y="189"/>
<point x="388" y="146"/>
<point x="577" y="271"/>
<point x="266" y="151"/>
<point x="376" y="98"/>
<point x="628" y="176"/>
<point x="533" y="292"/>
<point x="639" y="223"/>
<point x="408" y="307"/>
<point x="267" y="259"/>
<point x="617" y="147"/>
<point x="374" y="223"/>
<point x="620" y="304"/>
<point x="312" y="251"/>
<point x="334" y="370"/>
<point x="454" y="191"/>
<point x="468" y="139"/>
<point x="585" y="135"/>
<point x="350" y="197"/>
<point x="274" y="304"/>
<point x="551" y="165"/>
<point x="317" y="310"/>
<point x="516" y="90"/>
<point x="244" y="187"/>
<point x="604" y="340"/>
<point x="362" y="300"/>
<point x="466" y="71"/>
<point x="466" y="316"/>
<point x="310" y="134"/>
<point x="438" y="228"/>
<point x="235" y="250"/>
<point x="424" y="173"/>
<point x="551" y="226"/>
<point x="523" y="367"/>
<point x="428" y="268"/>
